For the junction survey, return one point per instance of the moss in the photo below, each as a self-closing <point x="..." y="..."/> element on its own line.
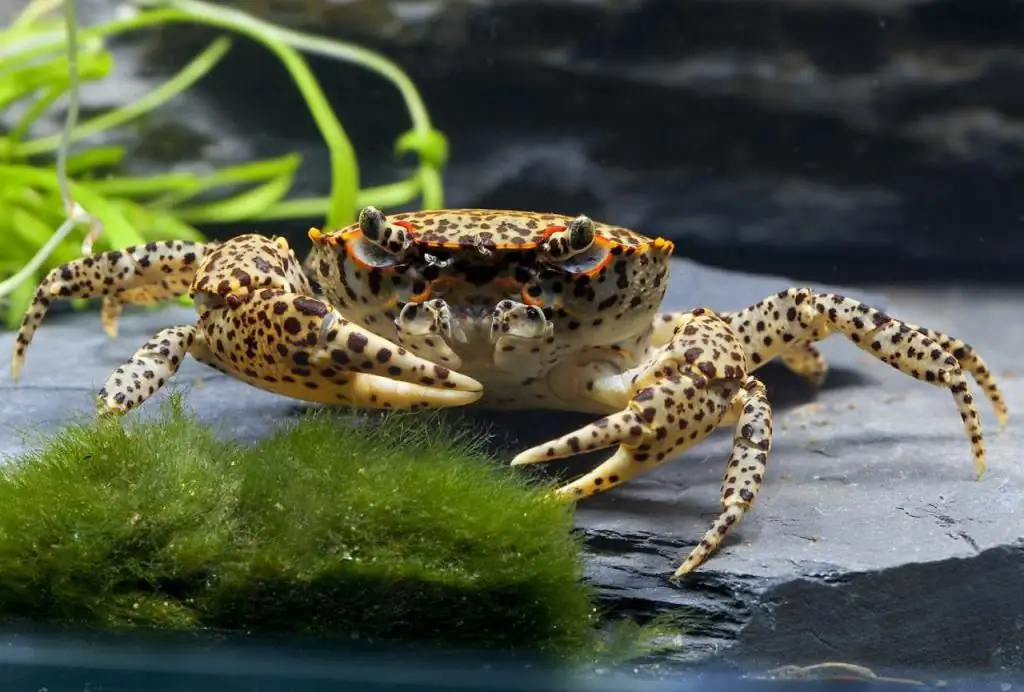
<point x="625" y="640"/>
<point x="397" y="527"/>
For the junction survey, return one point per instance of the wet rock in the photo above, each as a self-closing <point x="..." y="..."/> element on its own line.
<point x="848" y="140"/>
<point x="854" y="140"/>
<point x="870" y="542"/>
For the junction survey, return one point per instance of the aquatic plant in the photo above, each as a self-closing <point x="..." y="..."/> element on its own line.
<point x="48" y="193"/>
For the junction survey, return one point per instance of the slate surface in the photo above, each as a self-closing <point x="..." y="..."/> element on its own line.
<point x="842" y="139"/>
<point x="870" y="542"/>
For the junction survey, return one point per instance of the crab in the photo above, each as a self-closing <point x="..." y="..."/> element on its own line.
<point x="505" y="310"/>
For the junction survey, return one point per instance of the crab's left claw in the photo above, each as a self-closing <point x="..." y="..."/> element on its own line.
<point x="680" y="398"/>
<point x="626" y="428"/>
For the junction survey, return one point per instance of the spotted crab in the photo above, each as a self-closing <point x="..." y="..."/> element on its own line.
<point x="506" y="310"/>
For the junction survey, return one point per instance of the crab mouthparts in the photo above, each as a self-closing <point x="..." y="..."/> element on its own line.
<point x="472" y="311"/>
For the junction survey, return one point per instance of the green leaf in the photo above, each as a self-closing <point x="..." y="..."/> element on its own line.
<point x="36" y="110"/>
<point x="430" y="145"/>
<point x="197" y="68"/>
<point x="116" y="227"/>
<point x="29" y="198"/>
<point x="97" y="157"/>
<point x="18" y="301"/>
<point x="137" y="186"/>
<point x="233" y="175"/>
<point x="18" y="84"/>
<point x="35" y="232"/>
<point x="241" y="206"/>
<point x="169" y="227"/>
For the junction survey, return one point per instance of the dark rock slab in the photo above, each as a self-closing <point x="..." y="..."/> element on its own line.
<point x="846" y="140"/>
<point x="856" y="140"/>
<point x="871" y="543"/>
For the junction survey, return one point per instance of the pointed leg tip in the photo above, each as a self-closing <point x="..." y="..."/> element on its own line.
<point x="684" y="569"/>
<point x="980" y="466"/>
<point x="567" y="496"/>
<point x="527" y="457"/>
<point x="106" y="407"/>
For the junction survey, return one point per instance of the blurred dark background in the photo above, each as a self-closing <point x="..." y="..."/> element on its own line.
<point x="862" y="141"/>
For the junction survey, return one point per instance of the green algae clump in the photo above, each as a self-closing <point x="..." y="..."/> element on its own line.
<point x="397" y="527"/>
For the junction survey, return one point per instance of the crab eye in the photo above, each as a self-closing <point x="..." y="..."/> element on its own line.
<point x="562" y="242"/>
<point x="581" y="233"/>
<point x="373" y="224"/>
<point x="375" y="228"/>
<point x="575" y="247"/>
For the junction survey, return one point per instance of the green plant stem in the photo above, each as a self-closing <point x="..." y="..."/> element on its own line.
<point x="34" y="11"/>
<point x="29" y="270"/>
<point x="74" y="214"/>
<point x="164" y="11"/>
<point x="64" y="143"/>
<point x="50" y="42"/>
<point x="237" y="20"/>
<point x="308" y="43"/>
<point x="344" y="166"/>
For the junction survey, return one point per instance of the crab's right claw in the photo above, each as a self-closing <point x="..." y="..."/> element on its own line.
<point x="688" y="388"/>
<point x="301" y="347"/>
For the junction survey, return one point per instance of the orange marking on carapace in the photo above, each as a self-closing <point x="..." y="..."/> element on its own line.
<point x="530" y="300"/>
<point x="424" y="295"/>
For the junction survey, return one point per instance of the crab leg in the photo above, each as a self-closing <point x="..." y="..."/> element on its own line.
<point x="802" y="358"/>
<point x="141" y="273"/>
<point x="752" y="441"/>
<point x="807" y="362"/>
<point x="258" y="321"/>
<point x="799" y="316"/>
<point x="695" y="383"/>
<point x="147" y="370"/>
